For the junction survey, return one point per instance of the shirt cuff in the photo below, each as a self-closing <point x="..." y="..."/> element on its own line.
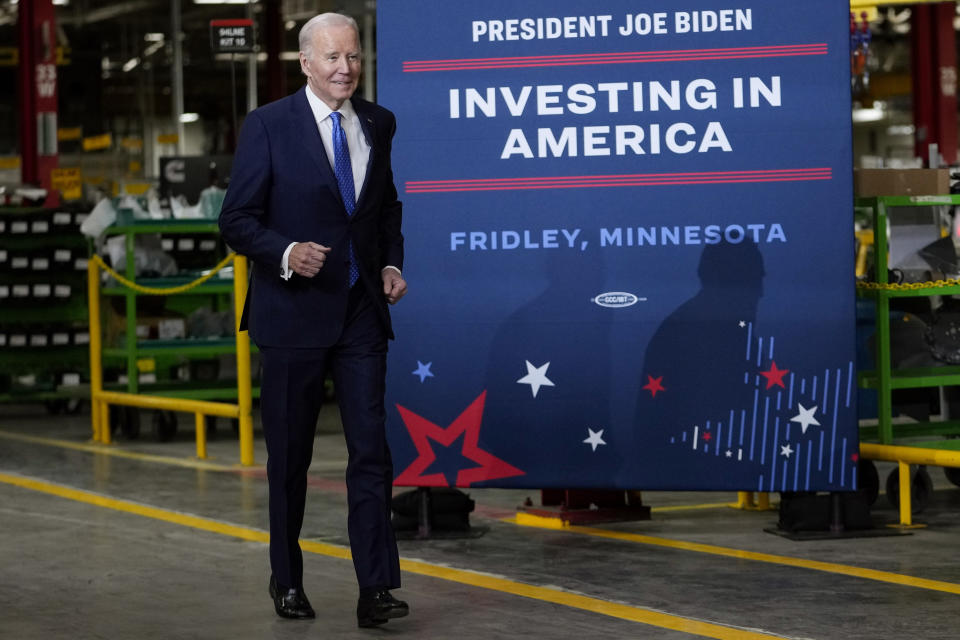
<point x="285" y="271"/>
<point x="390" y="266"/>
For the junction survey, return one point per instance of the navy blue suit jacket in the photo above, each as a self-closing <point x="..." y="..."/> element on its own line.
<point x="282" y="190"/>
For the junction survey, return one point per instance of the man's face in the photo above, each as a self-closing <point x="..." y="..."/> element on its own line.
<point x="333" y="68"/>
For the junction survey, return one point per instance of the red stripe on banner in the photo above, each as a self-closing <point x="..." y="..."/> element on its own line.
<point x="636" y="180"/>
<point x="682" y="55"/>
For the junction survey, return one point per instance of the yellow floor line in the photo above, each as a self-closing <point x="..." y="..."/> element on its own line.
<point x="816" y="565"/>
<point x="694" y="507"/>
<point x="111" y="450"/>
<point x="470" y="578"/>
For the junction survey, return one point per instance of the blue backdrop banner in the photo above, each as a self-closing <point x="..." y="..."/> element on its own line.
<point x="629" y="244"/>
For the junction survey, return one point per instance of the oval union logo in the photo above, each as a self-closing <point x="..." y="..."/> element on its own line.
<point x="616" y="299"/>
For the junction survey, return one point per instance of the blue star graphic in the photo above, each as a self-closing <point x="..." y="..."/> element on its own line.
<point x="423" y="370"/>
<point x="450" y="461"/>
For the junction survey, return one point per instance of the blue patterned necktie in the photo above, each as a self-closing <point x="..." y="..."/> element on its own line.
<point x="344" y="172"/>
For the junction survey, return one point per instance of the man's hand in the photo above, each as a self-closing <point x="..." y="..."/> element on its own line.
<point x="394" y="286"/>
<point x="307" y="258"/>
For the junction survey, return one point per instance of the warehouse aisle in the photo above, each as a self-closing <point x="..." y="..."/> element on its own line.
<point x="142" y="541"/>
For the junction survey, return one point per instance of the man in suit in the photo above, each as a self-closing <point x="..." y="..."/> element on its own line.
<point x="313" y="204"/>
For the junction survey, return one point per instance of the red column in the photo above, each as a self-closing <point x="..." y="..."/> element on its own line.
<point x="934" y="70"/>
<point x="38" y="94"/>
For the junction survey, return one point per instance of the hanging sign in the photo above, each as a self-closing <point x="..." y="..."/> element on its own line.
<point x="231" y="36"/>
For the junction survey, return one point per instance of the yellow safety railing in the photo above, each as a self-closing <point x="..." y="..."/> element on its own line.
<point x="904" y="457"/>
<point x="101" y="400"/>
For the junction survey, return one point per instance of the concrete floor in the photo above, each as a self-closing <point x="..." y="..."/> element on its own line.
<point x="139" y="541"/>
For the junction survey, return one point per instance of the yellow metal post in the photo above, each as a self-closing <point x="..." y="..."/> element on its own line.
<point x="906" y="509"/>
<point x="763" y="501"/>
<point x="745" y="500"/>
<point x="201" y="429"/>
<point x="244" y="393"/>
<point x="98" y="410"/>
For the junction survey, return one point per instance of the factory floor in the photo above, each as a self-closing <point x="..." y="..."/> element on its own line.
<point x="140" y="540"/>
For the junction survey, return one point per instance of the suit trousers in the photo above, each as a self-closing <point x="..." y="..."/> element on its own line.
<point x="291" y="394"/>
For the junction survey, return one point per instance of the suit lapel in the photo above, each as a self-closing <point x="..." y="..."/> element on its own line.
<point x="310" y="136"/>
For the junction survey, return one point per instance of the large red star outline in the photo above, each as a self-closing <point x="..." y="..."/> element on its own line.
<point x="774" y="375"/>
<point x="422" y="431"/>
<point x="654" y="385"/>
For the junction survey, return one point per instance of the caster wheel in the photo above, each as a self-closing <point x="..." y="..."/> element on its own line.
<point x="164" y="425"/>
<point x="126" y="420"/>
<point x="72" y="406"/>
<point x="868" y="480"/>
<point x="953" y="475"/>
<point x="921" y="489"/>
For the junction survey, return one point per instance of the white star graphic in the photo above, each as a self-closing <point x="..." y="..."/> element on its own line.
<point x="805" y="418"/>
<point x="729" y="453"/>
<point x="742" y="324"/>
<point x="536" y="377"/>
<point x="594" y="439"/>
<point x="785" y="450"/>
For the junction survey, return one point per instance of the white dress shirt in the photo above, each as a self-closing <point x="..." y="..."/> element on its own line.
<point x="356" y="143"/>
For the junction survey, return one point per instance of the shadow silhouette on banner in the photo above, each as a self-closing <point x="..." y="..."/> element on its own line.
<point x="542" y="429"/>
<point x="692" y="381"/>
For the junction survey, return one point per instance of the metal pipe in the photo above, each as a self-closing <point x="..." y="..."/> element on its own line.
<point x="201" y="430"/>
<point x="910" y="455"/>
<point x="96" y="367"/>
<point x="244" y="393"/>
<point x="251" y="73"/>
<point x="176" y="73"/>
<point x="220" y="409"/>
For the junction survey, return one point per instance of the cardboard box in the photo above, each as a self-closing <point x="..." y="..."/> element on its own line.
<point x="901" y="182"/>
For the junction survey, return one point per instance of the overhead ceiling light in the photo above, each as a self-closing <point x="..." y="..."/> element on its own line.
<point x="130" y="64"/>
<point x="152" y="49"/>
<point x="189" y="117"/>
<point x="223" y="1"/>
<point x="154" y="37"/>
<point x="872" y="114"/>
<point x="61" y="3"/>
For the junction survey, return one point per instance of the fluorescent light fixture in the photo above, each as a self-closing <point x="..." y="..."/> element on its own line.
<point x="152" y="49"/>
<point x="868" y="115"/>
<point x="154" y="37"/>
<point x="901" y="130"/>
<point x="222" y="2"/>
<point x="130" y="64"/>
<point x="189" y="117"/>
<point x="61" y="3"/>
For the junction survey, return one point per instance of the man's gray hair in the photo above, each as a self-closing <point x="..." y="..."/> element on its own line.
<point x="323" y="21"/>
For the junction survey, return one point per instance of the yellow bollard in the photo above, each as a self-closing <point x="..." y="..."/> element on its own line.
<point x="763" y="501"/>
<point x="745" y="500"/>
<point x="906" y="508"/>
<point x="98" y="412"/>
<point x="244" y="393"/>
<point x="201" y="428"/>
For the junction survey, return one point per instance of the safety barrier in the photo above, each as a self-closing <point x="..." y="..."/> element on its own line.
<point x="101" y="400"/>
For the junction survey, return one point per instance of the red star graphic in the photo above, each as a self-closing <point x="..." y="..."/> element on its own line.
<point x="855" y="457"/>
<point x="655" y="384"/>
<point x="707" y="436"/>
<point x="774" y="375"/>
<point x="422" y="431"/>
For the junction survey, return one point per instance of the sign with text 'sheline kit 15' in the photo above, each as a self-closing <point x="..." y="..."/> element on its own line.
<point x="628" y="244"/>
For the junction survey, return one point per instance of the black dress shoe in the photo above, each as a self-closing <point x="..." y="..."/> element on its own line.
<point x="290" y="603"/>
<point x="375" y="610"/>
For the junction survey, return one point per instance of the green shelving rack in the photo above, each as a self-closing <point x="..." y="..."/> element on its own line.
<point x="924" y="442"/>
<point x="168" y="353"/>
<point x="43" y="312"/>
